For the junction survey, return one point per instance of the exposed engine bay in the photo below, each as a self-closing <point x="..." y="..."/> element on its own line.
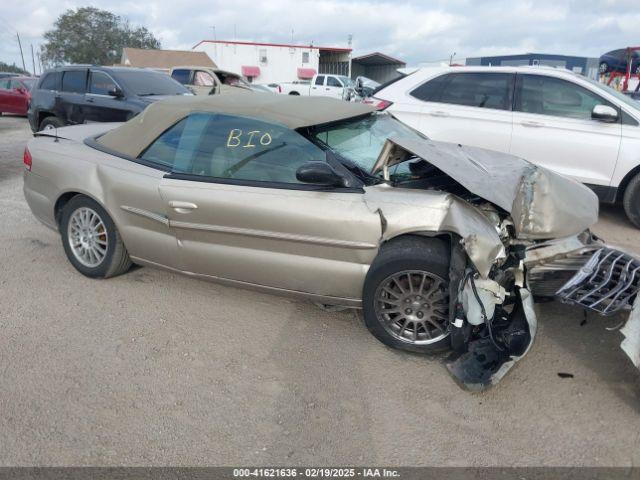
<point x="545" y="251"/>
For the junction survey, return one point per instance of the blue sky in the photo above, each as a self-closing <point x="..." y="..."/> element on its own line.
<point x="411" y="30"/>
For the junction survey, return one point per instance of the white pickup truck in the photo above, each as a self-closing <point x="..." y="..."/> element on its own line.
<point x="322" y="85"/>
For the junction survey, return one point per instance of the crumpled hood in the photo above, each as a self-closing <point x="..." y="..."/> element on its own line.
<point x="542" y="204"/>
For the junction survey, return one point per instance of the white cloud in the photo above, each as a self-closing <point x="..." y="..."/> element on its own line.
<point x="414" y="30"/>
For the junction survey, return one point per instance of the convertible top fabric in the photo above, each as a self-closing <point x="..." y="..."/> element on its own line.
<point x="134" y="136"/>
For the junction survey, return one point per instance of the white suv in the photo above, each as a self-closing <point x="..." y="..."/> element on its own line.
<point x="551" y="117"/>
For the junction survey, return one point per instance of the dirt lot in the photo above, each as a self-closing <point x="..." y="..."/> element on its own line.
<point x="152" y="368"/>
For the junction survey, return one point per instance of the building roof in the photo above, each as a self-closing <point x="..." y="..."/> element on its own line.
<point x="164" y="59"/>
<point x="377" y="58"/>
<point x="293" y="112"/>
<point x="234" y="42"/>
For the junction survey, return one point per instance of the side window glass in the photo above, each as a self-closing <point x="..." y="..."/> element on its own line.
<point x="101" y="83"/>
<point x="74" y="81"/>
<point x="484" y="90"/>
<point x="50" y="81"/>
<point x="5" y="83"/>
<point x="203" y="79"/>
<point x="182" y="75"/>
<point x="333" y="82"/>
<point x="320" y="80"/>
<point x="430" y="90"/>
<point x="553" y="96"/>
<point x="228" y="147"/>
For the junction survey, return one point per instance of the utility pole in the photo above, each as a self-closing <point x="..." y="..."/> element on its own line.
<point x="33" y="60"/>
<point x="39" y="62"/>
<point x="213" y="29"/>
<point x="24" y="67"/>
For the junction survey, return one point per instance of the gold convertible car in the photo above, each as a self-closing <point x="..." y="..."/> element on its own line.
<point x="441" y="245"/>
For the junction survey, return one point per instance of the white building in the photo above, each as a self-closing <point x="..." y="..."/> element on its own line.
<point x="276" y="62"/>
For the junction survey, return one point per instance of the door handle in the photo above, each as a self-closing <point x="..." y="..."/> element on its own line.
<point x="182" y="207"/>
<point x="439" y="113"/>
<point x="532" y="124"/>
<point x="90" y="100"/>
<point x="326" y="89"/>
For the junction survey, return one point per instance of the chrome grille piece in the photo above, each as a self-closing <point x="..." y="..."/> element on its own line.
<point x="606" y="283"/>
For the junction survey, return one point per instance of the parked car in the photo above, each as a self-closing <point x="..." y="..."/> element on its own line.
<point x="15" y="94"/>
<point x="551" y="117"/>
<point x="78" y="94"/>
<point x="9" y="74"/>
<point x="618" y="61"/>
<point x="443" y="246"/>
<point x="324" y="85"/>
<point x="208" y="81"/>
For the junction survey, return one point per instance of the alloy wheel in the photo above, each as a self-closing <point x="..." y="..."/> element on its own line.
<point x="413" y="306"/>
<point x="87" y="236"/>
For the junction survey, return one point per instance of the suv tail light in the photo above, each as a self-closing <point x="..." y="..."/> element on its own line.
<point x="26" y="158"/>
<point x="378" y="103"/>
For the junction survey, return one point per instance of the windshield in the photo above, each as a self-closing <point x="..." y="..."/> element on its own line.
<point x="346" y="81"/>
<point x="144" y="83"/>
<point x="620" y="96"/>
<point x="360" y="141"/>
<point x="28" y="82"/>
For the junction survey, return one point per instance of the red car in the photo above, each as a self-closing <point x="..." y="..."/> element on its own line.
<point x="15" y="94"/>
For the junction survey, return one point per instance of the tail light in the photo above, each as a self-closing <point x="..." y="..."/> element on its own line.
<point x="26" y="158"/>
<point x="378" y="103"/>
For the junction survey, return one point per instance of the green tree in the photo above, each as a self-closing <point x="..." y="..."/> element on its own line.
<point x="94" y="36"/>
<point x="5" y="67"/>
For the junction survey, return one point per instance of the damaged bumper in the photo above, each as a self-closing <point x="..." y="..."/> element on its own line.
<point x="579" y="270"/>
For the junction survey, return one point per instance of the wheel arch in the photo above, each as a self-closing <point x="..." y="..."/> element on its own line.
<point x="622" y="187"/>
<point x="65" y="197"/>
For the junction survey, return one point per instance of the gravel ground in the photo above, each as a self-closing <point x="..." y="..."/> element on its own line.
<point x="152" y="368"/>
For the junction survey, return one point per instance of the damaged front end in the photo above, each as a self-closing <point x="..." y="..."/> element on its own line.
<point x="539" y="246"/>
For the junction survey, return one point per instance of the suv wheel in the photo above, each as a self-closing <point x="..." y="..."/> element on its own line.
<point x="49" y="123"/>
<point x="406" y="295"/>
<point x="631" y="200"/>
<point x="91" y="240"/>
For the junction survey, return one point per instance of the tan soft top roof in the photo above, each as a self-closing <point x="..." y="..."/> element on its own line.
<point x="134" y="136"/>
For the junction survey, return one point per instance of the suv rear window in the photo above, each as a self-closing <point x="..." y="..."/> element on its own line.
<point x="74" y="81"/>
<point x="50" y="81"/>
<point x="148" y="82"/>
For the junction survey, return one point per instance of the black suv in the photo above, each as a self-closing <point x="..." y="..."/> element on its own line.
<point x="80" y="93"/>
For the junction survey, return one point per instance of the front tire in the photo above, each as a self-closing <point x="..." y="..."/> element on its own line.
<point x="406" y="295"/>
<point x="91" y="240"/>
<point x="631" y="200"/>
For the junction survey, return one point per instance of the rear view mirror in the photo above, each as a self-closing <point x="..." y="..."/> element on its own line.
<point x="116" y="92"/>
<point x="320" y="173"/>
<point x="604" y="113"/>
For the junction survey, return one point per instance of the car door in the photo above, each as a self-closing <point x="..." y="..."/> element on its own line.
<point x="100" y="106"/>
<point x="552" y="127"/>
<point x="333" y="88"/>
<point x="240" y="214"/>
<point x="317" y="88"/>
<point x="70" y="99"/>
<point x="471" y="108"/>
<point x="5" y="95"/>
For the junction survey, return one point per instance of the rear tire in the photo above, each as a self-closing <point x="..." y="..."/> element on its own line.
<point x="50" y="123"/>
<point x="406" y="295"/>
<point x="631" y="200"/>
<point x="294" y="93"/>
<point x="91" y="240"/>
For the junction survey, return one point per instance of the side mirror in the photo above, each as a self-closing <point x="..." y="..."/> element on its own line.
<point x="116" y="92"/>
<point x="604" y="113"/>
<point x="320" y="173"/>
<point x="21" y="91"/>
